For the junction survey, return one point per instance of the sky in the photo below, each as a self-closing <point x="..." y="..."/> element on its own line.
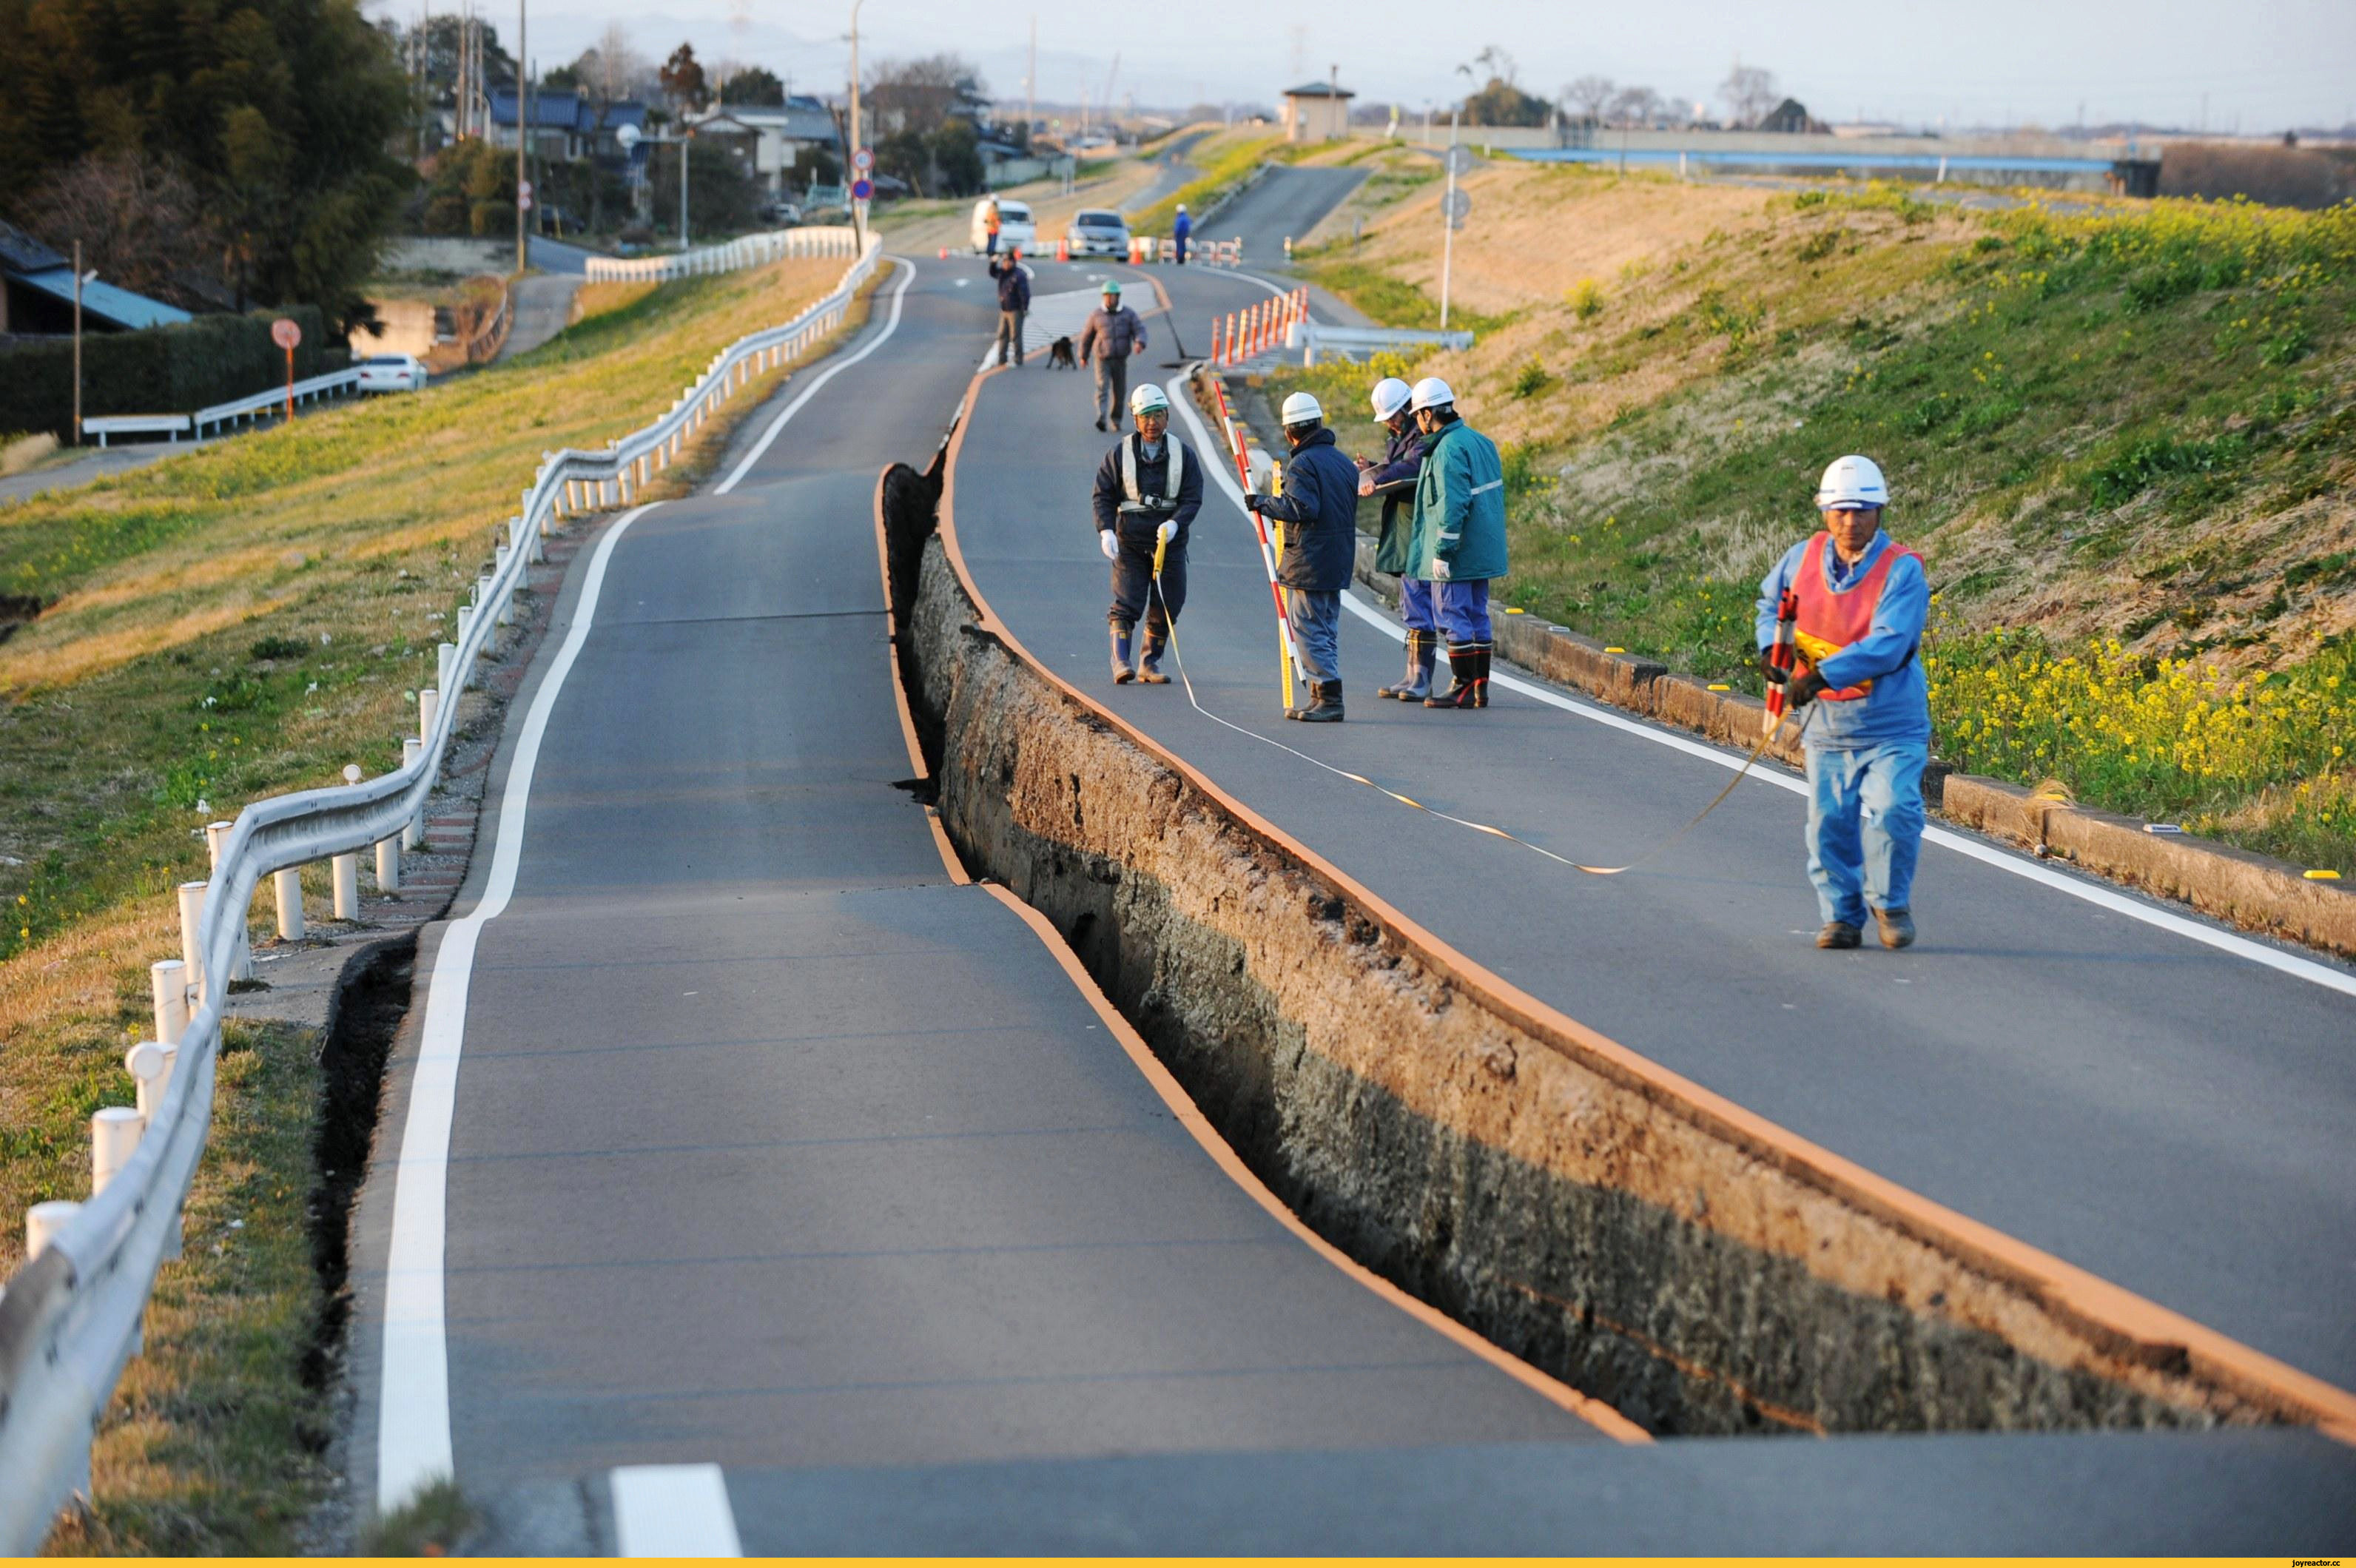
<point x="2257" y="65"/>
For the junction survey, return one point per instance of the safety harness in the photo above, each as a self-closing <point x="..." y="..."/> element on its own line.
<point x="1168" y="500"/>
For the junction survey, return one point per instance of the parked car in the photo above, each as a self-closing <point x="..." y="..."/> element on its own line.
<point x="781" y="214"/>
<point x="1014" y="225"/>
<point x="1098" y="231"/>
<point x="392" y="373"/>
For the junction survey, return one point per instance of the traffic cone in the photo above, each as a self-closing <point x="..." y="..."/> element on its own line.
<point x="1062" y="247"/>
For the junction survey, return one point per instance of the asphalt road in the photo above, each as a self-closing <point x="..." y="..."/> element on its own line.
<point x="778" y="1157"/>
<point x="1284" y="202"/>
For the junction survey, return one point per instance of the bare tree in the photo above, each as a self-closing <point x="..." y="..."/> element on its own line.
<point x="918" y="95"/>
<point x="1748" y="93"/>
<point x="1634" y="106"/>
<point x="141" y="222"/>
<point x="1586" y="97"/>
<point x="1499" y="65"/>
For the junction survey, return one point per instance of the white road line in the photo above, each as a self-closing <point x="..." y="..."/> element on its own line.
<point x="2326" y="975"/>
<point x="809" y="389"/>
<point x="413" y="1413"/>
<point x="673" y="1510"/>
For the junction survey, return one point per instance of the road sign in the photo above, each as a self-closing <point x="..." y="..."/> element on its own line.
<point x="523" y="201"/>
<point x="285" y="334"/>
<point x="1459" y="160"/>
<point x="1457" y="204"/>
<point x="864" y="159"/>
<point x="1456" y="224"/>
<point x="862" y="189"/>
<point x="523" y="190"/>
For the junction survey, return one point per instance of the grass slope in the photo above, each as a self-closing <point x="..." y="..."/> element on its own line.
<point x="2121" y="433"/>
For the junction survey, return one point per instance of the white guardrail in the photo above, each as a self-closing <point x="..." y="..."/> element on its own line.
<point x="752" y="251"/>
<point x="172" y="427"/>
<point x="70" y="1318"/>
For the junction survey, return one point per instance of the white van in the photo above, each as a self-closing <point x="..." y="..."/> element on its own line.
<point x="1014" y="226"/>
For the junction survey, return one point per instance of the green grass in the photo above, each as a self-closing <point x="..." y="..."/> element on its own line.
<point x="1226" y="160"/>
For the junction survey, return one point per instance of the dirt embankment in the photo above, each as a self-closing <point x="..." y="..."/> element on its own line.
<point x="1620" y="1228"/>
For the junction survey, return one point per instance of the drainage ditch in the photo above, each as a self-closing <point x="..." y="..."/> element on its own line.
<point x="1622" y="1231"/>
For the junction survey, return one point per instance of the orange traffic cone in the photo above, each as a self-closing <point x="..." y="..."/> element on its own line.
<point x="1062" y="247"/>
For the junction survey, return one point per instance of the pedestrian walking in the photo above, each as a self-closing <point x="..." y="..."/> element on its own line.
<point x="1180" y="232"/>
<point x="1858" y="601"/>
<point x="1148" y="489"/>
<point x="1013" y="303"/>
<point x="1320" y="511"/>
<point x="1394" y="479"/>
<point x="1459" y="542"/>
<point x="990" y="224"/>
<point x="1112" y="334"/>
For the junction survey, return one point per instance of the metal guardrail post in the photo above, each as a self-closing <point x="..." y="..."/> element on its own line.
<point x="192" y="905"/>
<point x="168" y="987"/>
<point x="413" y="832"/>
<point x="347" y="885"/>
<point x="114" y="1134"/>
<point x="289" y="886"/>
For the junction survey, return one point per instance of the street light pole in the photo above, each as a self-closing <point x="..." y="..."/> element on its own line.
<point x="1448" y="222"/>
<point x="857" y="209"/>
<point x="523" y="138"/>
<point x="77" y="353"/>
<point x="683" y="184"/>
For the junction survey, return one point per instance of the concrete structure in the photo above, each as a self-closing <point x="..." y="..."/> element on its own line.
<point x="1316" y="111"/>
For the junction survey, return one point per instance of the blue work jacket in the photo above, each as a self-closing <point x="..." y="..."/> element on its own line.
<point x="1318" y="510"/>
<point x="1460" y="507"/>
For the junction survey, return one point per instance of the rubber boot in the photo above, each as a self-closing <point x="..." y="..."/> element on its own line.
<point x="1121" y="673"/>
<point x="1326" y="708"/>
<point x="1481" y="675"/>
<point x="1416" y="684"/>
<point x="1149" y="660"/>
<point x="1464" y="690"/>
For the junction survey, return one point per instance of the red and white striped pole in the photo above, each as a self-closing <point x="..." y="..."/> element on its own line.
<point x="1259" y="524"/>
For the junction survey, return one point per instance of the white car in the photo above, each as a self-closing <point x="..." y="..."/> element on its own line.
<point x="1098" y="231"/>
<point x="392" y="373"/>
<point x="1015" y="229"/>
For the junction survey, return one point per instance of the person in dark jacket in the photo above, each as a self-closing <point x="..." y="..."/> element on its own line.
<point x="1149" y="487"/>
<point x="1112" y="334"/>
<point x="1013" y="303"/>
<point x="1394" y="479"/>
<point x="1318" y="510"/>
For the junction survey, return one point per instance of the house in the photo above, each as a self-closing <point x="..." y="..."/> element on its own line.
<point x="1316" y="111"/>
<point x="37" y="293"/>
<point x="727" y="132"/>
<point x="566" y="125"/>
<point x="784" y="137"/>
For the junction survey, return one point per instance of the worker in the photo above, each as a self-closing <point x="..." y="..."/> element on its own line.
<point x="1013" y="303"/>
<point x="1862" y="600"/>
<point x="1179" y="232"/>
<point x="1112" y="334"/>
<point x="989" y="222"/>
<point x="1149" y="487"/>
<point x="1460" y="537"/>
<point x="1320" y="511"/>
<point x="1394" y="479"/>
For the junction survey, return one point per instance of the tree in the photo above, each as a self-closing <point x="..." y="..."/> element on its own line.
<point x="563" y="79"/>
<point x="1748" y="93"/>
<point x="1635" y="107"/>
<point x="139" y="220"/>
<point x="919" y="95"/>
<point x="722" y="199"/>
<point x="754" y="87"/>
<point x="1502" y="103"/>
<point x="613" y="72"/>
<point x="682" y="79"/>
<point x="1586" y="97"/>
<point x="280" y="112"/>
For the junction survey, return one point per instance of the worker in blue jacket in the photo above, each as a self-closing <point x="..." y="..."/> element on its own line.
<point x="1180" y="232"/>
<point x="1394" y="479"/>
<point x="1014" y="302"/>
<point x="1857" y="602"/>
<point x="1460" y="537"/>
<point x="1318" y="510"/>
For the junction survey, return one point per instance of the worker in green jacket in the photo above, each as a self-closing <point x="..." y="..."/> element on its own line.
<point x="1459" y="542"/>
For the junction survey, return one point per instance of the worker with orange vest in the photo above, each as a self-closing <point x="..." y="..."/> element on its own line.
<point x="1857" y="602"/>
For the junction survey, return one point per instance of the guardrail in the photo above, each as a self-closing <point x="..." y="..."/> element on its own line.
<point x="752" y="251"/>
<point x="71" y="1316"/>
<point x="244" y="410"/>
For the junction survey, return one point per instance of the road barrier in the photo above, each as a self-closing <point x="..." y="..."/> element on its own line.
<point x="752" y="251"/>
<point x="71" y="1316"/>
<point x="237" y="411"/>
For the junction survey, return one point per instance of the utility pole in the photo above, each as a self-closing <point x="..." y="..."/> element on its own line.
<point x="77" y="353"/>
<point x="1448" y="222"/>
<point x="523" y="140"/>
<point x="858" y="209"/>
<point x="1031" y="84"/>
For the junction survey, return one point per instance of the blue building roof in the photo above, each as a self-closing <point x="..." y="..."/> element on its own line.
<point x="119" y="306"/>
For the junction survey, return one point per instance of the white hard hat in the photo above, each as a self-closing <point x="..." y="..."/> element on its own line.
<point x="1431" y="392"/>
<point x="1182" y="206"/>
<point x="1300" y="408"/>
<point x="1851" y="484"/>
<point x="1391" y="394"/>
<point x="1148" y="399"/>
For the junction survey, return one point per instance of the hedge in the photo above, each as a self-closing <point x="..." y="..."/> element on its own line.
<point x="163" y="369"/>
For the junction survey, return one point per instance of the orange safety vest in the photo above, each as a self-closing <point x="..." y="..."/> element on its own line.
<point x="1831" y="618"/>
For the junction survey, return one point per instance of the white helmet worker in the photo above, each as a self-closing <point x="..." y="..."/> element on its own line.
<point x="1391" y="395"/>
<point x="1301" y="409"/>
<point x="1431" y="392"/>
<point x="1148" y="399"/>
<point x="1182" y="206"/>
<point x="1852" y="484"/>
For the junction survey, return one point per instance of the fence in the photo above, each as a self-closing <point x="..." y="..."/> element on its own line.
<point x="237" y="411"/>
<point x="752" y="251"/>
<point x="71" y="1316"/>
<point x="1281" y="324"/>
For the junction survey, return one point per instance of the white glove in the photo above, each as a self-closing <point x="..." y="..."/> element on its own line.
<point x="1111" y="545"/>
<point x="1168" y="530"/>
<point x="1438" y="570"/>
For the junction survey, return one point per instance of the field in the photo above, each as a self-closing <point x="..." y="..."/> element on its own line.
<point x="2123" y="434"/>
<point x="238" y="622"/>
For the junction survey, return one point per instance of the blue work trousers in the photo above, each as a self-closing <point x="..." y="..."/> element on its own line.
<point x="1414" y="605"/>
<point x="1463" y="611"/>
<point x="1316" y="617"/>
<point x="1865" y="826"/>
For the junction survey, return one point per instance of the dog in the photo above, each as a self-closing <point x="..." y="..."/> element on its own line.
<point x="1060" y="356"/>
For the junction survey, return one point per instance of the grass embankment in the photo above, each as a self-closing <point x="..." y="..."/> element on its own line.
<point x="238" y="622"/>
<point x="2121" y="435"/>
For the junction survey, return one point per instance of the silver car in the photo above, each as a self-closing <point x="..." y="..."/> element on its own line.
<point x="1098" y="231"/>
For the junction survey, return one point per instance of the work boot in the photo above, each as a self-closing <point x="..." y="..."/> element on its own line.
<point x="1121" y="673"/>
<point x="1100" y="422"/>
<point x="1416" y="684"/>
<point x="1480" y="676"/>
<point x="1148" y="661"/>
<point x="1464" y="690"/>
<point x="1325" y="704"/>
<point x="1837" y="934"/>
<point x="1896" y="926"/>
